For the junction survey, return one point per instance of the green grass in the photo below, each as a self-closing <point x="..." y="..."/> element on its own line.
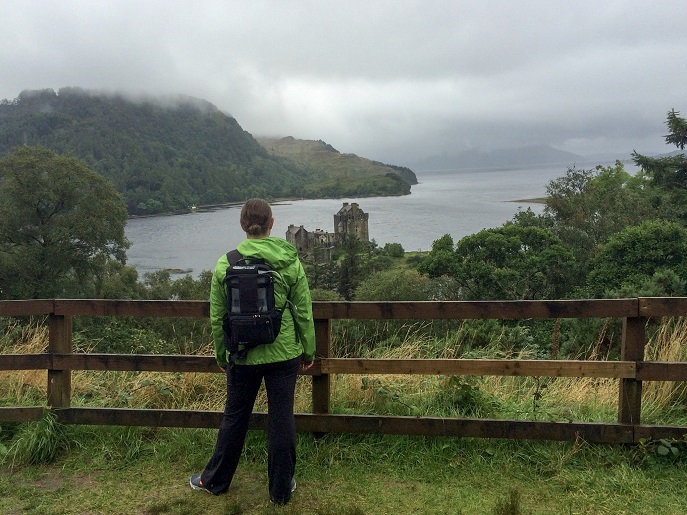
<point x="140" y="470"/>
<point x="47" y="468"/>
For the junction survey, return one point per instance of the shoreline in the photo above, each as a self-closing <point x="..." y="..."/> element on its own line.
<point x="227" y="205"/>
<point x="536" y="200"/>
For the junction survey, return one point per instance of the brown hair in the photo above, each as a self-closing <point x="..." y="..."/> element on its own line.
<point x="256" y="214"/>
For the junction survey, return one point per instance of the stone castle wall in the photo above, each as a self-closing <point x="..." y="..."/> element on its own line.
<point x="350" y="220"/>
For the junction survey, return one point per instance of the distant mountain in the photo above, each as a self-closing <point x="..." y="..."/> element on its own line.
<point x="167" y="154"/>
<point x="347" y="171"/>
<point x="538" y="155"/>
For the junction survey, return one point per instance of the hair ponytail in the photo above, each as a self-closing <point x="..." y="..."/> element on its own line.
<point x="256" y="214"/>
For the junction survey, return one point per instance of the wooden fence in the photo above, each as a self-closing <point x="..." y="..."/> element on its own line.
<point x="631" y="370"/>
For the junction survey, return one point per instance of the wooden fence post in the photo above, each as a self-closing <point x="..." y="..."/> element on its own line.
<point x="59" y="342"/>
<point x="321" y="384"/>
<point x="632" y="349"/>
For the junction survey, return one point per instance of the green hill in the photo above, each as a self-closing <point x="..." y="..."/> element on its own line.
<point x="162" y="154"/>
<point x="337" y="172"/>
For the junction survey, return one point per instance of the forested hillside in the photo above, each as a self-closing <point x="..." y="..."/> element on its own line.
<point x="342" y="172"/>
<point x="163" y="155"/>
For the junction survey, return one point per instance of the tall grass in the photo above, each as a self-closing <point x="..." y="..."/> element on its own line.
<point x="40" y="442"/>
<point x="664" y="398"/>
<point x="24" y="387"/>
<point x="559" y="399"/>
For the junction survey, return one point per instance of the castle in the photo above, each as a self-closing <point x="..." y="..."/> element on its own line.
<point x="319" y="244"/>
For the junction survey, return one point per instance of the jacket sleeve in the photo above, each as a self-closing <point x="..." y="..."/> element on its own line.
<point x="218" y="308"/>
<point x="302" y="313"/>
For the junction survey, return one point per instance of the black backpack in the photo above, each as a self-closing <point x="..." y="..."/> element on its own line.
<point x="252" y="318"/>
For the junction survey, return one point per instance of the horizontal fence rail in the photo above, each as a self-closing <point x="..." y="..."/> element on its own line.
<point x="630" y="371"/>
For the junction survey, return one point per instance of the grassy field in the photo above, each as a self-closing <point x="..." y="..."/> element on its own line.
<point x="124" y="470"/>
<point x="49" y="468"/>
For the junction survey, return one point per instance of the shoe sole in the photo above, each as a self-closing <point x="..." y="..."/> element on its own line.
<point x="198" y="487"/>
<point x="293" y="489"/>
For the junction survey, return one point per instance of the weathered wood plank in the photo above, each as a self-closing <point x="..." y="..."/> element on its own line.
<point x="478" y="309"/>
<point x="631" y="349"/>
<point x="21" y="413"/>
<point x="366" y="424"/>
<point x="25" y="361"/>
<point x="136" y="362"/>
<point x="662" y="306"/>
<point x="477" y="428"/>
<point x="661" y="371"/>
<point x="150" y="417"/>
<point x="17" y="308"/>
<point x="133" y="308"/>
<point x="484" y="367"/>
<point x="139" y="417"/>
<point x="59" y="341"/>
<point x="321" y="383"/>
<point x="647" y="432"/>
<point x="361" y="310"/>
<point x="643" y="306"/>
<point x="140" y="363"/>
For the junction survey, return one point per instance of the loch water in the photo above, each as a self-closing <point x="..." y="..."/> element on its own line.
<point x="452" y="202"/>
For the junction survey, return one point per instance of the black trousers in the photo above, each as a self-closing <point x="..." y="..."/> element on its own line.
<point x="243" y="383"/>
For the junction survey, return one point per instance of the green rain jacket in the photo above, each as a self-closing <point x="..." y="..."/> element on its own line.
<point x="297" y="334"/>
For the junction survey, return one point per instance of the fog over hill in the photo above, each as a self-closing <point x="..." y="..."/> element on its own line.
<point x="540" y="155"/>
<point x="169" y="153"/>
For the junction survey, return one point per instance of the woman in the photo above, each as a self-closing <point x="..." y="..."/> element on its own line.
<point x="278" y="363"/>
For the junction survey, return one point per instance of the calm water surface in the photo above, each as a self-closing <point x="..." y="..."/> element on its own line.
<point x="458" y="203"/>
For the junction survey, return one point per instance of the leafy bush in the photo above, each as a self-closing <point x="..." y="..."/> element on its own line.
<point x="464" y="395"/>
<point x="634" y="256"/>
<point x="394" y="250"/>
<point x="394" y="284"/>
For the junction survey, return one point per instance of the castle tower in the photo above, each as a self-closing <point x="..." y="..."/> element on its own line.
<point x="298" y="237"/>
<point x="351" y="221"/>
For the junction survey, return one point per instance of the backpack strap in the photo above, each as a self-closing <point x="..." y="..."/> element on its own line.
<point x="234" y="256"/>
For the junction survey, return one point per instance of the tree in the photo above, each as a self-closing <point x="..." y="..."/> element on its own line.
<point x="394" y="250"/>
<point x="566" y="196"/>
<point x="678" y="130"/>
<point x="668" y="174"/>
<point x="395" y="284"/>
<point x="586" y="207"/>
<point x="60" y="225"/>
<point x="643" y="257"/>
<point x="351" y="267"/>
<point x="514" y="263"/>
<point x="440" y="260"/>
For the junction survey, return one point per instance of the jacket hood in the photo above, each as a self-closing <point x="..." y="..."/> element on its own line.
<point x="278" y="252"/>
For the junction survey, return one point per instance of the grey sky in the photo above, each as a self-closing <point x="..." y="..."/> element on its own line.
<point x="388" y="80"/>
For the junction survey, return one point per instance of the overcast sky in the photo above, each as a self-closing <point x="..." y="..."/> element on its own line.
<point x="394" y="80"/>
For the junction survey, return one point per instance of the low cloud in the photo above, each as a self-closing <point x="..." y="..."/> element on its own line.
<point x="389" y="80"/>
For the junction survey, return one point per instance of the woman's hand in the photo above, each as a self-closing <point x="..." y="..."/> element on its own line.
<point x="305" y="365"/>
